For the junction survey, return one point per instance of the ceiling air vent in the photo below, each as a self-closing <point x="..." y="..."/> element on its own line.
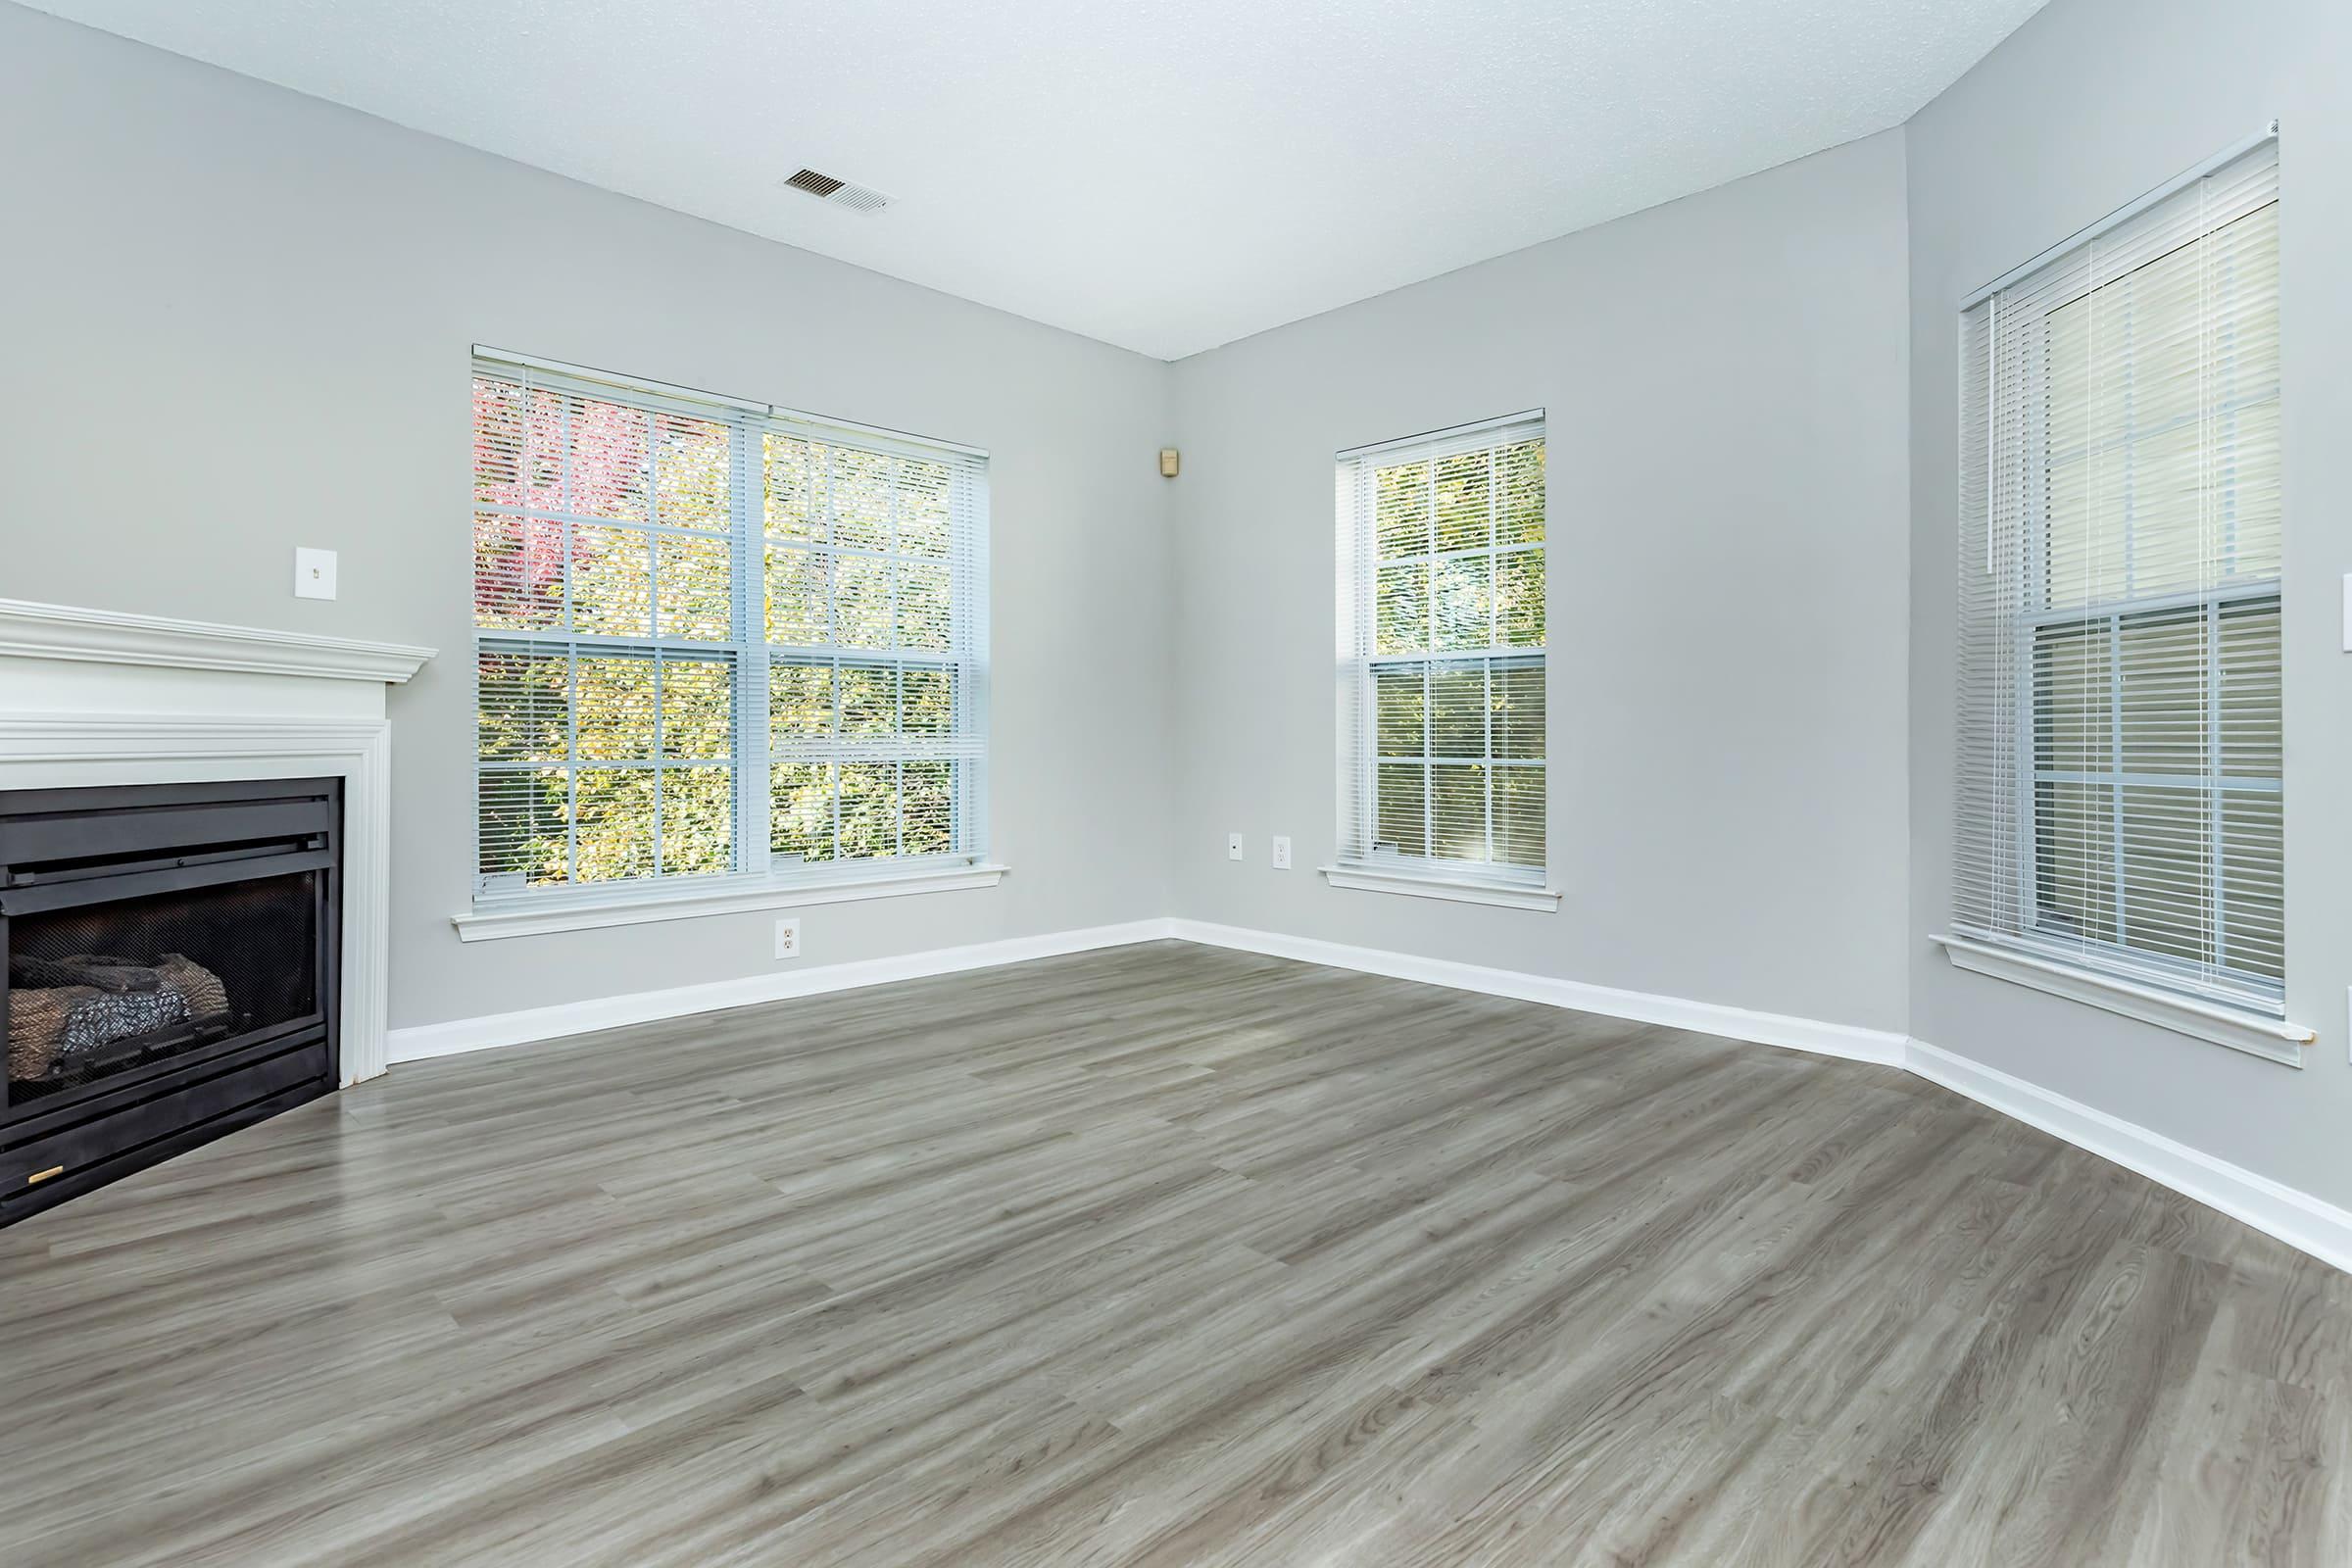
<point x="839" y="192"/>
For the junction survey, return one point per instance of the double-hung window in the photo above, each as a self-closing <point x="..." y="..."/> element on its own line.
<point x="2120" y="802"/>
<point x="1441" y="663"/>
<point x="718" y="644"/>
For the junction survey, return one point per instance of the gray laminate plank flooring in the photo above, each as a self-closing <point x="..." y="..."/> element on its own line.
<point x="1162" y="1255"/>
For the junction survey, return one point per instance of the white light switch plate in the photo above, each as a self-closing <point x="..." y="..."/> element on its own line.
<point x="314" y="574"/>
<point x="1282" y="853"/>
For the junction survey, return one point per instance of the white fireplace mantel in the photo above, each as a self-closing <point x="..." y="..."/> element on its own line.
<point x="98" y="696"/>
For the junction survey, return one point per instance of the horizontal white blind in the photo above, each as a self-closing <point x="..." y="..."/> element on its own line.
<point x="713" y="638"/>
<point x="1441" y="663"/>
<point x="2120" y="699"/>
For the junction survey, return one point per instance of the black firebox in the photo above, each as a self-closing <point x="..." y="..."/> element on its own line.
<point x="167" y="971"/>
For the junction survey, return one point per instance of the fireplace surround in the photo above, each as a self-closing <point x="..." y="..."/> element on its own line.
<point x="93" y="698"/>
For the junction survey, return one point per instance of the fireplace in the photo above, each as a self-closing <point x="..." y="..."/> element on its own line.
<point x="171" y="971"/>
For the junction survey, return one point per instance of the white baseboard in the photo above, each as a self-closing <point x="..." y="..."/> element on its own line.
<point x="1851" y="1040"/>
<point x="426" y="1040"/>
<point x="2295" y="1217"/>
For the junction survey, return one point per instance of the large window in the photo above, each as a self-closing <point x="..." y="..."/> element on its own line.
<point x="717" y="639"/>
<point x="1441" y="555"/>
<point x="2120" y="801"/>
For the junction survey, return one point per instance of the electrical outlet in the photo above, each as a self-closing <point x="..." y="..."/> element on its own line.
<point x="1233" y="845"/>
<point x="788" y="938"/>
<point x="1282" y="853"/>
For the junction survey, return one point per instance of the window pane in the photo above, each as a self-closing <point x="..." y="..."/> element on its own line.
<point x="2251" y="706"/>
<point x="698" y="709"/>
<point x="698" y="588"/>
<point x="1519" y="599"/>
<point x="1458" y="797"/>
<point x="860" y="499"/>
<point x="926" y="616"/>
<point x="869" y="809"/>
<point x="600" y="449"/>
<point x="2074" y="827"/>
<point x="2073" y="697"/>
<point x="2164" y="722"/>
<point x="800" y="701"/>
<point x="497" y="442"/>
<point x="928" y="698"/>
<point x="517" y="571"/>
<point x="613" y="809"/>
<point x="2253" y="925"/>
<point x="2168" y="871"/>
<point x="614" y="700"/>
<point x="523" y="816"/>
<point x="1465" y="501"/>
<point x="698" y="820"/>
<point x="1401" y="509"/>
<point x="1518" y="699"/>
<point x="1458" y="710"/>
<point x="523" y="703"/>
<point x="1397" y="696"/>
<point x="861" y="610"/>
<point x="1465" y="602"/>
<point x="1400" y="813"/>
<point x="611" y="581"/>
<point x="800" y="809"/>
<point x="1401" y="610"/>
<point x="924" y="527"/>
<point x="1520" y="511"/>
<point x="796" y="598"/>
<point x="690" y="471"/>
<point x="796" y="504"/>
<point x="930" y="808"/>
<point x="1519" y="817"/>
<point x="869" y="700"/>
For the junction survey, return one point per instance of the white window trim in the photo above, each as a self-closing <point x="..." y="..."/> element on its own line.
<point x="2254" y="1028"/>
<point x="1457" y="890"/>
<point x="542" y="914"/>
<point x="2257" y="1035"/>
<point x="1455" y="881"/>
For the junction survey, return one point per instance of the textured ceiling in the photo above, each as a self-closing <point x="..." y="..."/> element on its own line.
<point x="1163" y="178"/>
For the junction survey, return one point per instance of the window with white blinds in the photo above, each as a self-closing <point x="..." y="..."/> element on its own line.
<point x="1441" y="557"/>
<point x="2119" y="793"/>
<point x="717" y="639"/>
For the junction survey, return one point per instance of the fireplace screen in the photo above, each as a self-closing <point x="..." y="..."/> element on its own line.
<point x="102" y="989"/>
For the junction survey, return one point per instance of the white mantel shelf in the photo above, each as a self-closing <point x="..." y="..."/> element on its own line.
<point x="31" y="630"/>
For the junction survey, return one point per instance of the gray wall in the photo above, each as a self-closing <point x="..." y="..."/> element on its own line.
<point x="239" y="321"/>
<point x="1725" y="378"/>
<point x="2090" y="104"/>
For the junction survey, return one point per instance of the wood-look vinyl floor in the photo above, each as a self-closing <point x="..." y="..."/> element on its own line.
<point x="1162" y="1255"/>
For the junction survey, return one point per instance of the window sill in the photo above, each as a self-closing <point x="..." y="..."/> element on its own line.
<point x="522" y="916"/>
<point x="1455" y="889"/>
<point x="2272" y="1039"/>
